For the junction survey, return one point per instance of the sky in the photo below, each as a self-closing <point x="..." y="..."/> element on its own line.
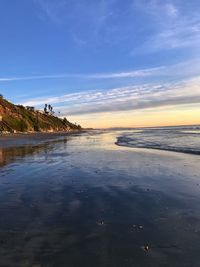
<point x="103" y="63"/>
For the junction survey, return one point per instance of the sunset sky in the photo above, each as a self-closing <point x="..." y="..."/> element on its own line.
<point x="103" y="63"/>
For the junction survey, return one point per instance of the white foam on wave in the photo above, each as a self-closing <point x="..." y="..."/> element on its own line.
<point x="184" y="140"/>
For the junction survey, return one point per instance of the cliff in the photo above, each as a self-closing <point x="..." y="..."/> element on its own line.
<point x="17" y="118"/>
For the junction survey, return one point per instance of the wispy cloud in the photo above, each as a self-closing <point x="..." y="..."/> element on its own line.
<point x="173" y="28"/>
<point x="157" y="8"/>
<point x="125" y="98"/>
<point x="37" y="77"/>
<point x="130" y="74"/>
<point x="184" y="34"/>
<point x="90" y="15"/>
<point x="180" y="69"/>
<point x="138" y="98"/>
<point x="53" y="9"/>
<point x="164" y="24"/>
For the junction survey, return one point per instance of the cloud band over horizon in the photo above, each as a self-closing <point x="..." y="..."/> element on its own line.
<point x="125" y="98"/>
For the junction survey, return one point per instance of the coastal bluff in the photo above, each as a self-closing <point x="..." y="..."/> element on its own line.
<point x="17" y="118"/>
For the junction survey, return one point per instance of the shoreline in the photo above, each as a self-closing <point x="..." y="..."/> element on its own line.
<point x="32" y="138"/>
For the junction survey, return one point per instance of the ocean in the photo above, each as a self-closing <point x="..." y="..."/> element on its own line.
<point x="184" y="139"/>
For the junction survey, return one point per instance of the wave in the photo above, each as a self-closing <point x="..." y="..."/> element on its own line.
<point x="182" y="141"/>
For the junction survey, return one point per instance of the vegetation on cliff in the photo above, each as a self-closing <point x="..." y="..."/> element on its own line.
<point x="17" y="118"/>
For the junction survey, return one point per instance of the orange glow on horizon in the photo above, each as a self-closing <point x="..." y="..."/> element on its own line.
<point x="145" y="118"/>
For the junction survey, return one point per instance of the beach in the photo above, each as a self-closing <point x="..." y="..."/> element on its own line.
<point x="23" y="139"/>
<point x="82" y="200"/>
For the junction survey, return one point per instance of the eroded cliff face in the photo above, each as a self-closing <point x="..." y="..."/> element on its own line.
<point x="15" y="118"/>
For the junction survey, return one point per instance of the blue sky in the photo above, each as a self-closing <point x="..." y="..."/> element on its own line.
<point x="93" y="59"/>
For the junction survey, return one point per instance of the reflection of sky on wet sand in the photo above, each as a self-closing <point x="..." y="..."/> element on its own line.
<point x="87" y="202"/>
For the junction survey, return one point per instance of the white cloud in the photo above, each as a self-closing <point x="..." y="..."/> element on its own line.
<point x="183" y="34"/>
<point x="183" y="68"/>
<point x="172" y="28"/>
<point x="36" y="77"/>
<point x="130" y="74"/>
<point x="179" y="35"/>
<point x="141" y="96"/>
<point x="126" y="98"/>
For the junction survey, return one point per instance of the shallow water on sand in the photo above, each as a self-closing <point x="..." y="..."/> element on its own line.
<point x="85" y="201"/>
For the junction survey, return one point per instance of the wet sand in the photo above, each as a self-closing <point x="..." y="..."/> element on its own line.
<point x="84" y="201"/>
<point x="22" y="139"/>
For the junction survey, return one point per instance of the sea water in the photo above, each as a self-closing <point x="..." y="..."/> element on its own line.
<point x="184" y="139"/>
